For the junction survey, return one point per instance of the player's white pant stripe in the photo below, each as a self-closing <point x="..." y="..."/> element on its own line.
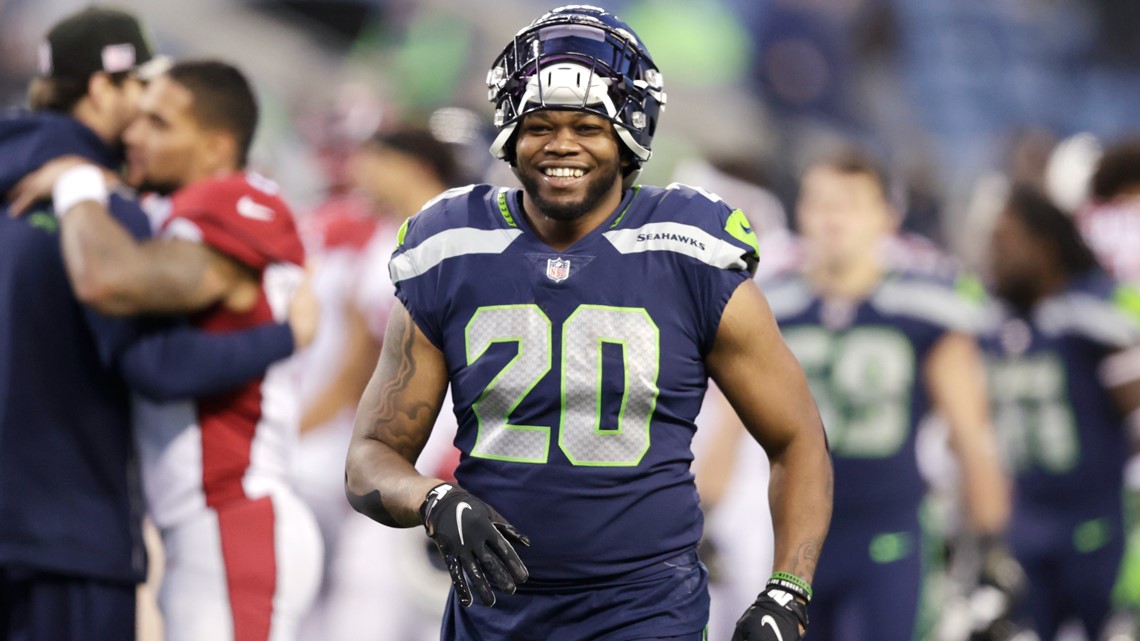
<point x="450" y="244"/>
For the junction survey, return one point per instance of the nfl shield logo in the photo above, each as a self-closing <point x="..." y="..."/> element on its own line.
<point x="557" y="269"/>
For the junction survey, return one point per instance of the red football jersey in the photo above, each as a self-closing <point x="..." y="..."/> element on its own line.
<point x="242" y="216"/>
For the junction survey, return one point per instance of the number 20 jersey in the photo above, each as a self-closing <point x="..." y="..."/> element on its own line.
<point x="577" y="375"/>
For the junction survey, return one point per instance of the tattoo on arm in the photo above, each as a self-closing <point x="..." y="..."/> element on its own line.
<point x="400" y="364"/>
<point x="806" y="557"/>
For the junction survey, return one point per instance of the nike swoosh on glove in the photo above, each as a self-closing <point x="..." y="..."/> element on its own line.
<point x="476" y="543"/>
<point x="775" y="615"/>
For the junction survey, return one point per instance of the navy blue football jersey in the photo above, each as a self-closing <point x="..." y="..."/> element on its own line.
<point x="1060" y="431"/>
<point x="863" y="360"/>
<point x="577" y="375"/>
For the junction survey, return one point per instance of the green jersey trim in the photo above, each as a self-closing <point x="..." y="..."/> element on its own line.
<point x="617" y="221"/>
<point x="739" y="228"/>
<point x="504" y="209"/>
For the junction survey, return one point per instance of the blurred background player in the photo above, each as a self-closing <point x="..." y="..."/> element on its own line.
<point x="1066" y="390"/>
<point x="881" y="347"/>
<point x="242" y="551"/>
<point x="536" y="305"/>
<point x="397" y="171"/>
<point x="70" y="514"/>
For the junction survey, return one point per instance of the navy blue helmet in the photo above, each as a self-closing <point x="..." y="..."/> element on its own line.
<point x="578" y="57"/>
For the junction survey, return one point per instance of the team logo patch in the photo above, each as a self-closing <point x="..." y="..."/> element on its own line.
<point x="118" y="58"/>
<point x="557" y="269"/>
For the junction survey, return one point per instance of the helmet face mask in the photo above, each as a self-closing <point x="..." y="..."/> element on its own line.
<point x="584" y="59"/>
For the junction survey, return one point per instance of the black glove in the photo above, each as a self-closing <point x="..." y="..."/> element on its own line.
<point x="1000" y="569"/>
<point x="988" y="584"/>
<point x="775" y="616"/>
<point x="1000" y="586"/>
<point x="473" y="537"/>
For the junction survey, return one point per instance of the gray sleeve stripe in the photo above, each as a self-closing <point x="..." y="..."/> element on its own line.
<point x="684" y="239"/>
<point x="787" y="299"/>
<point x="451" y="243"/>
<point x="938" y="305"/>
<point x="1089" y="316"/>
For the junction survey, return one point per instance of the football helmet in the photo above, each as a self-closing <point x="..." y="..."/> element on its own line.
<point x="578" y="57"/>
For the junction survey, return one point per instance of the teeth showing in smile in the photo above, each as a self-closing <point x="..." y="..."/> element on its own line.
<point x="563" y="172"/>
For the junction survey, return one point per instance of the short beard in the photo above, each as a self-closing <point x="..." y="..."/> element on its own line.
<point x="596" y="191"/>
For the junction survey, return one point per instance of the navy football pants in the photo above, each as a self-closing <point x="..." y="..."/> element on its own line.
<point x="667" y="602"/>
<point x="51" y="607"/>
<point x="868" y="584"/>
<point x="1071" y="565"/>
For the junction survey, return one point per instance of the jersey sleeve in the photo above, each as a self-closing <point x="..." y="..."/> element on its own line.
<point x="953" y="302"/>
<point x="723" y="244"/>
<point x="164" y="360"/>
<point x="172" y="362"/>
<point x="414" y="285"/>
<point x="251" y="225"/>
<point x="723" y="282"/>
<point x="451" y="225"/>
<point x="113" y="333"/>
<point x="1106" y="313"/>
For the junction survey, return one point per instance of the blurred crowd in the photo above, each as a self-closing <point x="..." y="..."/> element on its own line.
<point x="371" y="109"/>
<point x="944" y="92"/>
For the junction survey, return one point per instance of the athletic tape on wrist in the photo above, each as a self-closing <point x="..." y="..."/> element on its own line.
<point x="76" y="185"/>
<point x="791" y="583"/>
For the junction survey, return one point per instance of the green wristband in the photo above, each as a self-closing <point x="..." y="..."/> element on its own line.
<point x="791" y="583"/>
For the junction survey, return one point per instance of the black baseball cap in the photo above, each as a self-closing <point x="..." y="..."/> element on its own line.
<point x="94" y="39"/>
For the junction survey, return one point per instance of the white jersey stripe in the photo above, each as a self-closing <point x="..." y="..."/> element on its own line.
<point x="935" y="304"/>
<point x="680" y="238"/>
<point x="787" y="298"/>
<point x="451" y="243"/>
<point x="1089" y="316"/>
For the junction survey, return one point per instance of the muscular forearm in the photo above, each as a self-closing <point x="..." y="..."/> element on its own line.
<point x="185" y="363"/>
<point x="955" y="380"/>
<point x="100" y="258"/>
<point x="383" y="485"/>
<point x="393" y="423"/>
<point x="800" y="493"/>
<point x="985" y="489"/>
<point x="116" y="274"/>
